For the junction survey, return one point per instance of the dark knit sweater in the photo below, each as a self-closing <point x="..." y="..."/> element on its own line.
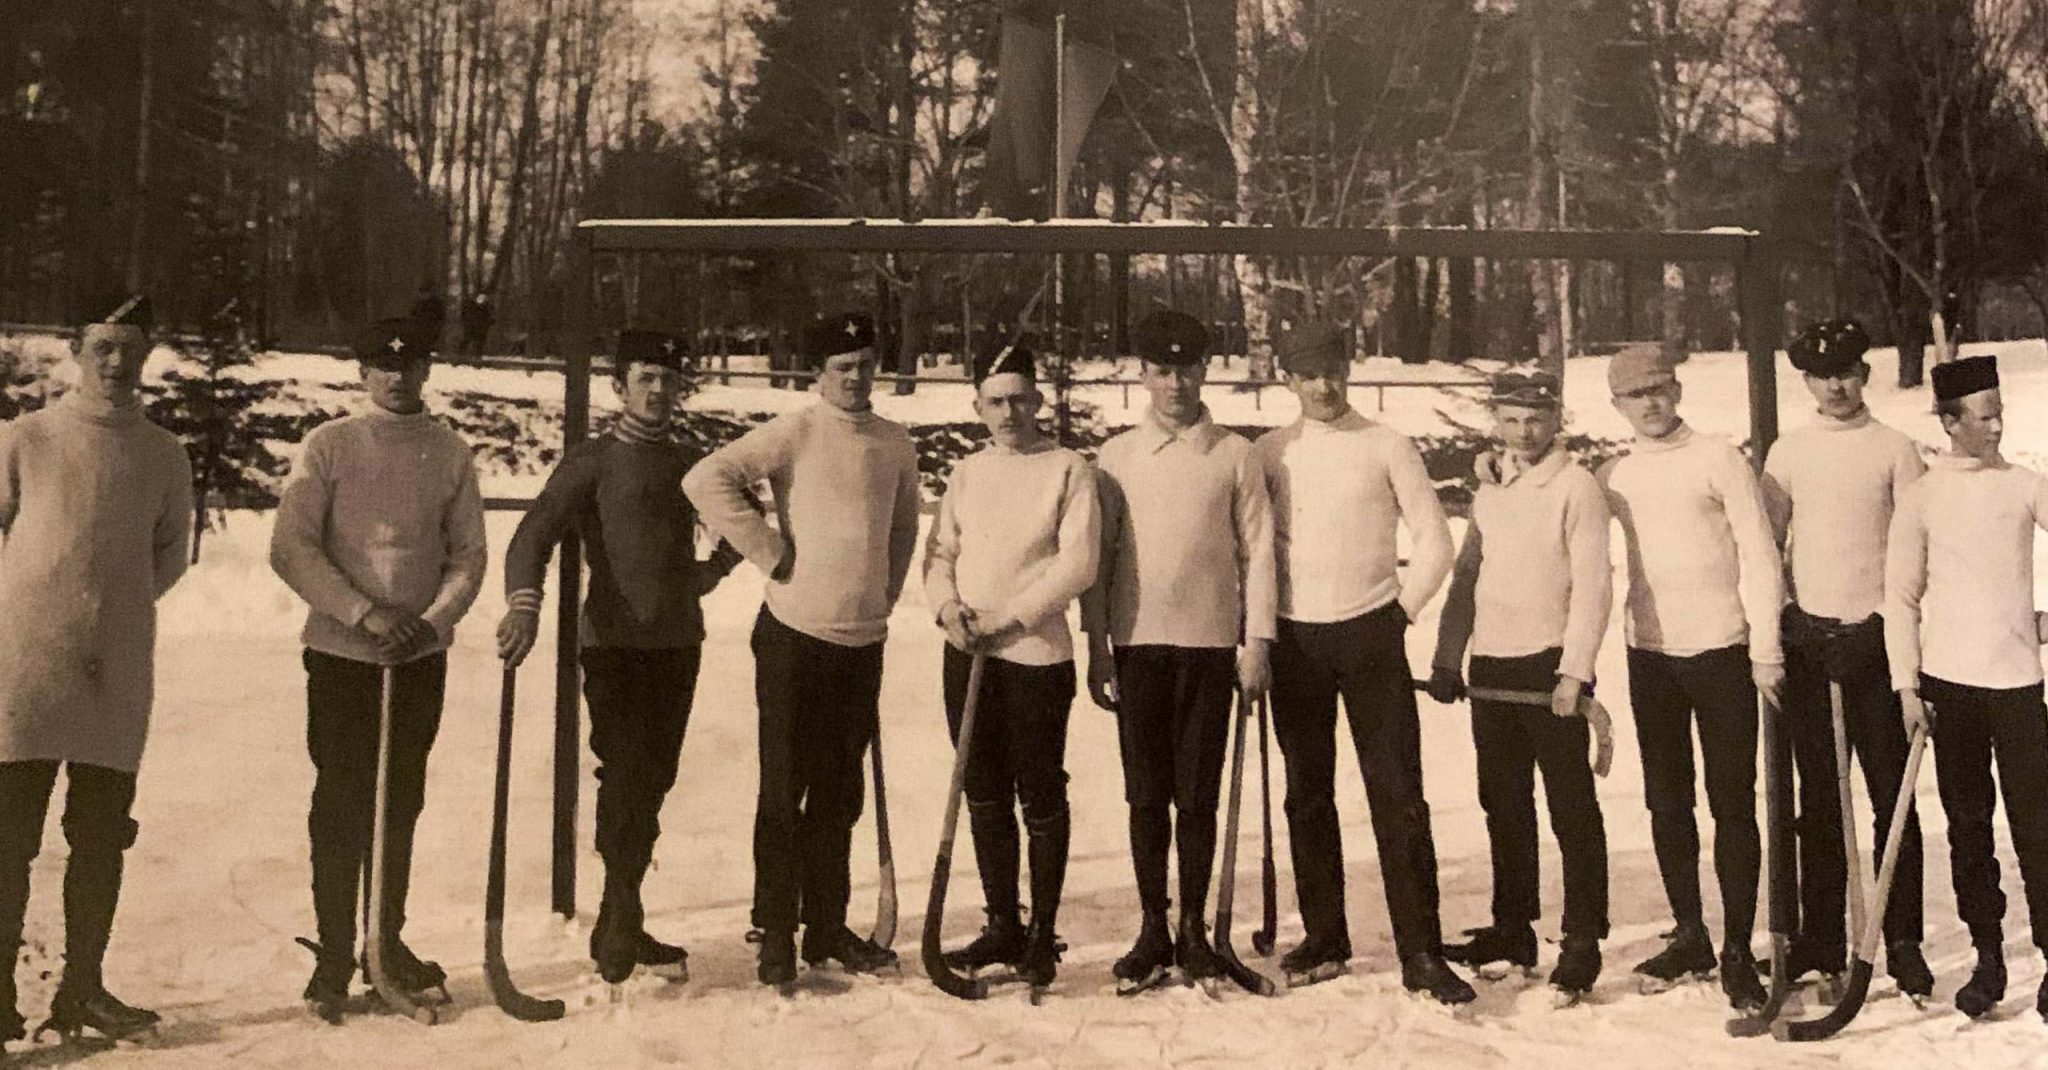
<point x="623" y="494"/>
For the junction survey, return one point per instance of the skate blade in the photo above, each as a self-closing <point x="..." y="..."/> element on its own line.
<point x="1503" y="971"/>
<point x="1133" y="986"/>
<point x="1657" y="986"/>
<point x="1564" y="999"/>
<point x="674" y="973"/>
<point x="328" y="1014"/>
<point x="1326" y="971"/>
<point x="1461" y="1012"/>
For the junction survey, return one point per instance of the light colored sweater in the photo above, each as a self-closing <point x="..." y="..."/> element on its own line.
<point x="846" y="498"/>
<point x="1338" y="489"/>
<point x="1831" y="487"/>
<point x="1959" y="576"/>
<point x="1533" y="573"/>
<point x="1703" y="567"/>
<point x="1018" y="534"/>
<point x="1187" y="540"/>
<point x="95" y="523"/>
<point x="381" y="509"/>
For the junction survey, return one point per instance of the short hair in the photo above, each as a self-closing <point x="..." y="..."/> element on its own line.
<point x="1947" y="408"/>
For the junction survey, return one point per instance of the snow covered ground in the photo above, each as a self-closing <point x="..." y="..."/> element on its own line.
<point x="218" y="881"/>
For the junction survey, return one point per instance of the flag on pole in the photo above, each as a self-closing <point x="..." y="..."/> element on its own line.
<point x="1021" y="164"/>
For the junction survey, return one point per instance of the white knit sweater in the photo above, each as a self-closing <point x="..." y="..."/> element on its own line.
<point x="1831" y="487"/>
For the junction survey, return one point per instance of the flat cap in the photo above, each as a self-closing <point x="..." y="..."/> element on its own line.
<point x="1534" y="389"/>
<point x="1174" y="338"/>
<point x="390" y="342"/>
<point x="1638" y="367"/>
<point x="1829" y="349"/>
<point x="1312" y="348"/>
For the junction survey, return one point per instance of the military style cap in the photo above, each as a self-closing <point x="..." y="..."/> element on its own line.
<point x="1008" y="360"/>
<point x="389" y="343"/>
<point x="1964" y="376"/>
<point x="1829" y="349"/>
<point x="1530" y="389"/>
<point x="1313" y="348"/>
<point x="1173" y="338"/>
<point x="650" y="347"/>
<point x="843" y="333"/>
<point x="1638" y="367"/>
<point x="120" y="307"/>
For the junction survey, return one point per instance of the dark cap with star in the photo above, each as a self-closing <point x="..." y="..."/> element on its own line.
<point x="1955" y="379"/>
<point x="1829" y="349"/>
<point x="120" y="308"/>
<point x="391" y="342"/>
<point x="846" y="332"/>
<point x="1170" y="338"/>
<point x="1007" y="360"/>
<point x="1526" y="388"/>
<point x="1313" y="348"/>
<point x="649" y="347"/>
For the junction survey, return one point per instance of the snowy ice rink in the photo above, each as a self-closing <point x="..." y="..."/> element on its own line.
<point x="218" y="881"/>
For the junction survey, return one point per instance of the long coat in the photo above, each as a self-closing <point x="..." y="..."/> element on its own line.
<point x="96" y="511"/>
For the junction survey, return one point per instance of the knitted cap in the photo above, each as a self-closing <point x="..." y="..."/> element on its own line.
<point x="1638" y="367"/>
<point x="1313" y="348"/>
<point x="1964" y="376"/>
<point x="1172" y="338"/>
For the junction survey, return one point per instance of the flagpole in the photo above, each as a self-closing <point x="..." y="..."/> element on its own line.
<point x="1059" y="211"/>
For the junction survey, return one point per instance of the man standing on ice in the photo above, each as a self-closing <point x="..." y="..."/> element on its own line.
<point x="1186" y="577"/>
<point x="1702" y="629"/>
<point x="1016" y="541"/>
<point x="642" y="630"/>
<point x="1531" y="592"/>
<point x="381" y="530"/>
<point x="1963" y="638"/>
<point x="1831" y="487"/>
<point x="95" y="518"/>
<point x="1341" y="486"/>
<point x="845" y="490"/>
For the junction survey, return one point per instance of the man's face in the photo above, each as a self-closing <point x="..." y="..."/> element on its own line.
<point x="398" y="385"/>
<point x="1008" y="405"/>
<point x="109" y="358"/>
<point x="1652" y="410"/>
<point x="1840" y="396"/>
<point x="1175" y="389"/>
<point x="846" y="379"/>
<point x="1526" y="430"/>
<point x="649" y="391"/>
<point x="1322" y="391"/>
<point x="1978" y="428"/>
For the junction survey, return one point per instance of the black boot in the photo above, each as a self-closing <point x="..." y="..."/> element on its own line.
<point x="77" y="1007"/>
<point x="777" y="963"/>
<point x="1689" y="953"/>
<point x="1512" y="944"/>
<point x="92" y="889"/>
<point x="1907" y="967"/>
<point x="1807" y="956"/>
<point x="1740" y="981"/>
<point x="326" y="993"/>
<point x="2041" y="999"/>
<point x="1001" y="943"/>
<point x="1316" y="959"/>
<point x="12" y="1024"/>
<point x="1427" y="973"/>
<point x="1578" y="965"/>
<point x="668" y="960"/>
<point x="410" y="973"/>
<point x="1040" y="963"/>
<point x="855" y="954"/>
<point x="1145" y="965"/>
<point x="1980" y="995"/>
<point x="1198" y="958"/>
<point x="615" y="939"/>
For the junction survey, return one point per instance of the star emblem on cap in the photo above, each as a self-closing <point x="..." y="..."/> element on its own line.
<point x="669" y="347"/>
<point x="396" y="344"/>
<point x="852" y="329"/>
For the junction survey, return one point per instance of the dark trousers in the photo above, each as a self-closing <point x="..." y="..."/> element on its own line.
<point x="1173" y="719"/>
<point x="639" y="708"/>
<point x="1017" y="756"/>
<point x="97" y="828"/>
<point x="1363" y="661"/>
<point x="1715" y="690"/>
<point x="1878" y="738"/>
<point x="818" y="713"/>
<point x="1972" y="725"/>
<point x="342" y="703"/>
<point x="1512" y="742"/>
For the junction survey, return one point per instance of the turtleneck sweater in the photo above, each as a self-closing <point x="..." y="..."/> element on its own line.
<point x="846" y="497"/>
<point x="1018" y="535"/>
<point x="1831" y="487"/>
<point x="381" y="509"/>
<point x="1703" y="567"/>
<point x="1340" y="488"/>
<point x="1959" y="575"/>
<point x="95" y="523"/>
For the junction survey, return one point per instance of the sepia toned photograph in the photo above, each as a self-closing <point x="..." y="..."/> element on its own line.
<point x="1438" y="533"/>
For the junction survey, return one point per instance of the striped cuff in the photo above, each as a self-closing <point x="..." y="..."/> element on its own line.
<point x="524" y="600"/>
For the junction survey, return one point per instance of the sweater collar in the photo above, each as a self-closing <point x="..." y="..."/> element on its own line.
<point x="1957" y="462"/>
<point x="1352" y="420"/>
<point x="1156" y="436"/>
<point x="99" y="410"/>
<point x="1500" y="468"/>
<point x="382" y="415"/>
<point x="1677" y="439"/>
<point x="1862" y="418"/>
<point x="860" y="418"/>
<point x="1043" y="445"/>
<point x="639" y="432"/>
